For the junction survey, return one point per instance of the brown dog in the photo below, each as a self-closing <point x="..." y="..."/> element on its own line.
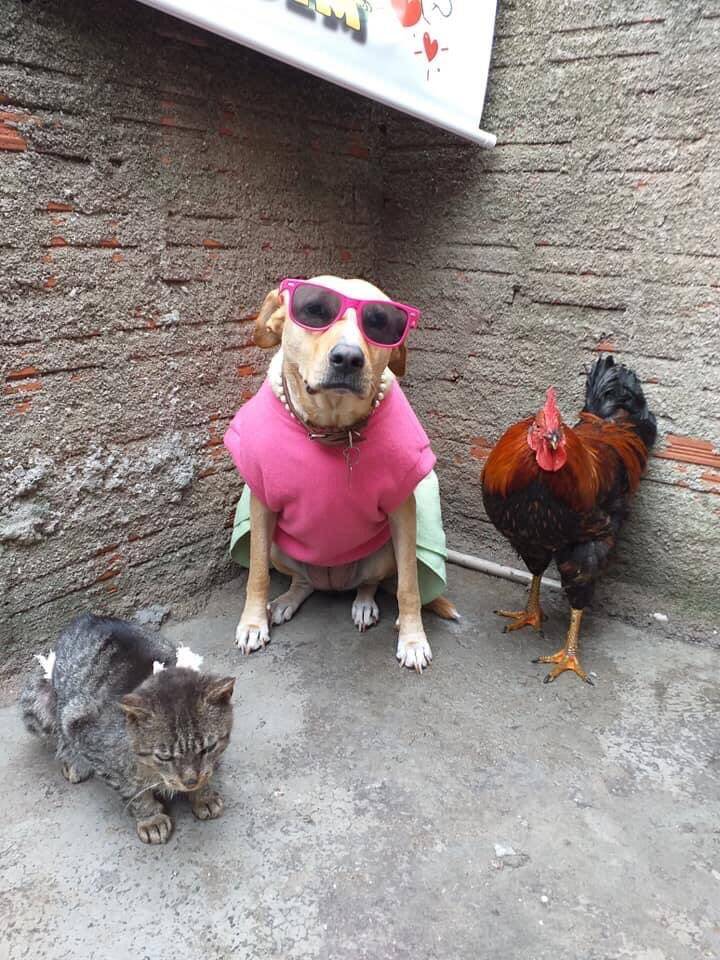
<point x="331" y="380"/>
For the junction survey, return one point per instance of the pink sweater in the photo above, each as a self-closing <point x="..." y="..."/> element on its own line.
<point x="327" y="515"/>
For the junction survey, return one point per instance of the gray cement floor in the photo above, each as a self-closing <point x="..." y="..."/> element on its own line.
<point x="371" y="813"/>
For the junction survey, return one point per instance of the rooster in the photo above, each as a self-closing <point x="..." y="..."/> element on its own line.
<point x="563" y="493"/>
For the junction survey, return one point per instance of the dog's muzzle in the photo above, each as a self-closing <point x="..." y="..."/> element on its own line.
<point x="346" y="362"/>
<point x="346" y="358"/>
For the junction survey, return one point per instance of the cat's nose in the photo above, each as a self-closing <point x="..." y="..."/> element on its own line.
<point x="190" y="781"/>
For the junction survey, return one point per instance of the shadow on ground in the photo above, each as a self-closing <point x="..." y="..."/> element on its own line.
<point x="472" y="812"/>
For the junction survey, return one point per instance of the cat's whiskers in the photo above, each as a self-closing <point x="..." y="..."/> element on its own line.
<point x="141" y="792"/>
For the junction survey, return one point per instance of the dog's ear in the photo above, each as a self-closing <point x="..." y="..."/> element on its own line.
<point x="398" y="360"/>
<point x="269" y="322"/>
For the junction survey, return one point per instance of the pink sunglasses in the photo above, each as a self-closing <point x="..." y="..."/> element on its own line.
<point x="314" y="307"/>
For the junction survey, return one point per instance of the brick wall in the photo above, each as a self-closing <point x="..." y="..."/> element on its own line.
<point x="594" y="225"/>
<point x="154" y="182"/>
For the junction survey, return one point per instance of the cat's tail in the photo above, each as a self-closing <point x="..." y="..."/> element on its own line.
<point x="38" y="701"/>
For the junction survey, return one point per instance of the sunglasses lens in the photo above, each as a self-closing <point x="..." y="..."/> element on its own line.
<point x="315" y="307"/>
<point x="384" y="323"/>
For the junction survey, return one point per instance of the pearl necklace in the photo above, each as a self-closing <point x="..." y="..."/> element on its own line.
<point x="278" y="386"/>
<point x="345" y="437"/>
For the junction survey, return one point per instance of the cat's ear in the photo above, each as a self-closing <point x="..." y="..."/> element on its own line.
<point x="220" y="691"/>
<point x="134" y="707"/>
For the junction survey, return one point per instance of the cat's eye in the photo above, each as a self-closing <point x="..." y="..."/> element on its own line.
<point x="208" y="749"/>
<point x="163" y="757"/>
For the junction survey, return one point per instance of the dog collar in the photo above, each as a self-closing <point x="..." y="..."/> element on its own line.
<point x="331" y="436"/>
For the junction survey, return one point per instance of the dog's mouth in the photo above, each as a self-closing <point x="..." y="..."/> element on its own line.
<point x="338" y="386"/>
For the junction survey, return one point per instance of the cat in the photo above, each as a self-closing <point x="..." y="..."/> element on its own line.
<point x="135" y="711"/>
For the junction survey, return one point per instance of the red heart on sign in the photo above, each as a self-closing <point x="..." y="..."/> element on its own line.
<point x="431" y="46"/>
<point x="409" y="11"/>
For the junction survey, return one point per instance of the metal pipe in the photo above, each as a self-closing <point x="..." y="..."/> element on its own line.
<point x="497" y="569"/>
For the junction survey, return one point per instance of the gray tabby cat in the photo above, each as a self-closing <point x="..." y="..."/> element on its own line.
<point x="147" y="734"/>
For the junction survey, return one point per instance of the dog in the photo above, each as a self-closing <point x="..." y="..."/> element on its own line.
<point x="334" y="460"/>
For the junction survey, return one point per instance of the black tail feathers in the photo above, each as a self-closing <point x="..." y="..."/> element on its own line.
<point x="611" y="387"/>
<point x="38" y="706"/>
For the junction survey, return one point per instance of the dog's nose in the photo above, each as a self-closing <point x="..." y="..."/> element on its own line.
<point x="346" y="358"/>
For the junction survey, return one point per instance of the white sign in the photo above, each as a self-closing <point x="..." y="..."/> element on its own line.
<point x="428" y="58"/>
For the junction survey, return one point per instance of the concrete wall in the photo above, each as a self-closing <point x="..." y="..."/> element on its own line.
<point x="594" y="225"/>
<point x="154" y="181"/>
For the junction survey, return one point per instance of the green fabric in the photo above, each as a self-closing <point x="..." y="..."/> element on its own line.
<point x="431" y="550"/>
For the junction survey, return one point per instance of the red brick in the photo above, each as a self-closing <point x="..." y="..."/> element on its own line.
<point x="10" y="139"/>
<point x="480" y="448"/>
<point x="689" y="450"/>
<point x="25" y="386"/>
<point x="23" y="373"/>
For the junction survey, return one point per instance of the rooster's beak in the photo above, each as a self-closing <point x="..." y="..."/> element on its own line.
<point x="553" y="439"/>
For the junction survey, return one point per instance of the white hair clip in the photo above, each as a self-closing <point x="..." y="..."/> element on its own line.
<point x="47" y="663"/>
<point x="157" y="667"/>
<point x="186" y="658"/>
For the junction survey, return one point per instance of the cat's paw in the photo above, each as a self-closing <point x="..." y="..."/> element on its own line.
<point x="208" y="807"/>
<point x="251" y="636"/>
<point x="75" y="772"/>
<point x="156" y="829"/>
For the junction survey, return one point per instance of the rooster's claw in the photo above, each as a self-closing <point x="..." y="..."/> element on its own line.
<point x="563" y="661"/>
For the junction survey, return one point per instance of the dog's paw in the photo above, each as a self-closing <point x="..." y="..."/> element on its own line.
<point x="413" y="652"/>
<point x="251" y="636"/>
<point x="156" y="829"/>
<point x="208" y="807"/>
<point x="365" y="613"/>
<point x="284" y="607"/>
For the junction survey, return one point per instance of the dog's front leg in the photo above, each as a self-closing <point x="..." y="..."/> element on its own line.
<point x="253" y="631"/>
<point x="413" y="650"/>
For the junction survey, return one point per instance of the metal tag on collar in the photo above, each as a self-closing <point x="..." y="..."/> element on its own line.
<point x="351" y="453"/>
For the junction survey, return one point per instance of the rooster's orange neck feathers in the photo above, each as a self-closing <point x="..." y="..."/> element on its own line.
<point x="591" y="451"/>
<point x="513" y="465"/>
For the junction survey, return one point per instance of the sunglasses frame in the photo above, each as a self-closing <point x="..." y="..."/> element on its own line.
<point x="412" y="313"/>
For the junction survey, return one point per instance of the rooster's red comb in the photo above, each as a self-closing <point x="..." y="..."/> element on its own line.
<point x="552" y="414"/>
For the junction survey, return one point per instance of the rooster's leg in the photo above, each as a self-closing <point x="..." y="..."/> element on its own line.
<point x="567" y="658"/>
<point x="532" y="616"/>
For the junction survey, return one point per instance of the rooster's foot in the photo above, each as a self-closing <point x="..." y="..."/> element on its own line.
<point x="567" y="658"/>
<point x="563" y="661"/>
<point x="531" y="616"/>
<point x="522" y="618"/>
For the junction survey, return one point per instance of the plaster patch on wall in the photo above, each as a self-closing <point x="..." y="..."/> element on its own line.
<point x="163" y="469"/>
<point x="19" y="480"/>
<point x="27" y="523"/>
